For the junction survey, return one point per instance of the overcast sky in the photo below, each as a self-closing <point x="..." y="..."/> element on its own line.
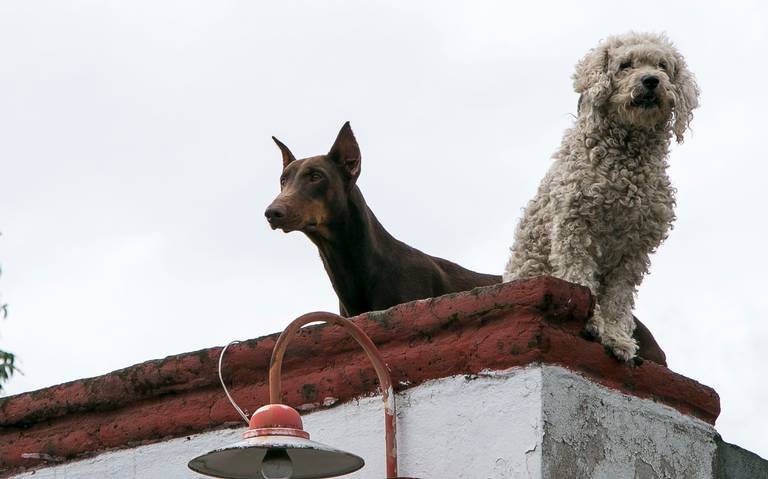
<point x="136" y="163"/>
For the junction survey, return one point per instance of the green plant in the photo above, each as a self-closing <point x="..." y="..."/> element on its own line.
<point x="7" y="360"/>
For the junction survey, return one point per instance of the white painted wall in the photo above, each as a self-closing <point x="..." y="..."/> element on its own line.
<point x="521" y="423"/>
<point x="593" y="432"/>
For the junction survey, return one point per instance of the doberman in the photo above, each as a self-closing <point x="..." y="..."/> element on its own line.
<point x="369" y="269"/>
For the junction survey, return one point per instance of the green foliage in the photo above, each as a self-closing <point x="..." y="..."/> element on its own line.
<point x="7" y="367"/>
<point x="7" y="360"/>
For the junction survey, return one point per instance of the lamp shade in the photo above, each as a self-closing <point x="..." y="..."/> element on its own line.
<point x="276" y="429"/>
<point x="309" y="459"/>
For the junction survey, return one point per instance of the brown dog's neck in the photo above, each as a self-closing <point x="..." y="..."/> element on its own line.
<point x="353" y="247"/>
<point x="354" y="227"/>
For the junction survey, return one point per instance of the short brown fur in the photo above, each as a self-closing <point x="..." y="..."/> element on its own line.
<point x="369" y="269"/>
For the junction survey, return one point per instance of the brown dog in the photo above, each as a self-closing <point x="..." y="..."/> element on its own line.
<point x="369" y="269"/>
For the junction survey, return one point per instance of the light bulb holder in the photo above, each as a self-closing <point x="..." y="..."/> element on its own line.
<point x="276" y="420"/>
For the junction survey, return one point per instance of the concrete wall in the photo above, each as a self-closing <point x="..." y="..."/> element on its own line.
<point x="431" y="346"/>
<point x="536" y="422"/>
<point x="733" y="462"/>
<point x="594" y="433"/>
<point x="485" y="426"/>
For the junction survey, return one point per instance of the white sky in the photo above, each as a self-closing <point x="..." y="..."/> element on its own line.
<point x="136" y="163"/>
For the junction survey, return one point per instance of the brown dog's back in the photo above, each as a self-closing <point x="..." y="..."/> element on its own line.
<point x="369" y="269"/>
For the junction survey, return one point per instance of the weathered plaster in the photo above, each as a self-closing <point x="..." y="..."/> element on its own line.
<point x="591" y="432"/>
<point x="483" y="426"/>
<point x="516" y="324"/>
<point x="535" y="422"/>
<point x="733" y="462"/>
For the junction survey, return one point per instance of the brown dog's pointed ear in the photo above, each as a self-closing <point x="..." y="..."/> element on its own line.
<point x="345" y="152"/>
<point x="287" y="155"/>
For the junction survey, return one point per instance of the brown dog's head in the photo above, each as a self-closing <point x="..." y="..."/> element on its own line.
<point x="314" y="190"/>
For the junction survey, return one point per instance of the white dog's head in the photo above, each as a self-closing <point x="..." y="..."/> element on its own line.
<point x="637" y="79"/>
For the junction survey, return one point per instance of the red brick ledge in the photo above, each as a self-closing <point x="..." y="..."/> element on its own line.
<point x="492" y="328"/>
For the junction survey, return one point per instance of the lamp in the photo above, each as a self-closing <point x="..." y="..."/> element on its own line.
<point x="275" y="446"/>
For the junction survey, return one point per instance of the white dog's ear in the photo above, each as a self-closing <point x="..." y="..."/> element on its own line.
<point x="592" y="81"/>
<point x="686" y="98"/>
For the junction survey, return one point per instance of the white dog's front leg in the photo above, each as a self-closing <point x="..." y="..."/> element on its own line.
<point x="618" y="300"/>
<point x="616" y="304"/>
<point x="573" y="259"/>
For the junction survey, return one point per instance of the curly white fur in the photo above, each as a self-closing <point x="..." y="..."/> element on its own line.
<point x="607" y="203"/>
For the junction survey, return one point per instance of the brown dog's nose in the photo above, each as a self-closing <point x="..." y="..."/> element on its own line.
<point x="274" y="213"/>
<point x="650" y="81"/>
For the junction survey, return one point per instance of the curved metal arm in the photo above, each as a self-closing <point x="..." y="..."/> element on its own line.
<point x="385" y="382"/>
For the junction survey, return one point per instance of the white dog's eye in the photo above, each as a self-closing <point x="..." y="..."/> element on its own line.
<point x="663" y="65"/>
<point x="625" y="65"/>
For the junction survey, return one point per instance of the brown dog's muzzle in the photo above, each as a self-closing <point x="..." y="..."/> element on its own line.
<point x="275" y="214"/>
<point x="289" y="215"/>
<point x="281" y="215"/>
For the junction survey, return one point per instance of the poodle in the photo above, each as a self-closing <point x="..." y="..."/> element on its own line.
<point x="606" y="202"/>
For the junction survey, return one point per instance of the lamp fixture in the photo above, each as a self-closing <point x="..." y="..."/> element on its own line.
<point x="275" y="446"/>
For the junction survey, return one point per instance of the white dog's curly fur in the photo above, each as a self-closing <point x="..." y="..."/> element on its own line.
<point x="606" y="203"/>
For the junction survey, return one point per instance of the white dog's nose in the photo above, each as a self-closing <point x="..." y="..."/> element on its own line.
<point x="650" y="81"/>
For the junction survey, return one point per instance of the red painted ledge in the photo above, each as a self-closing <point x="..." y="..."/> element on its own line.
<point x="492" y="328"/>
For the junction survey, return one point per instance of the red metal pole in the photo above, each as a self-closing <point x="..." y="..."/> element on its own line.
<point x="385" y="381"/>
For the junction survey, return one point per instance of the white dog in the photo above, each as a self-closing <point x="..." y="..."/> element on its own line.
<point x="606" y="203"/>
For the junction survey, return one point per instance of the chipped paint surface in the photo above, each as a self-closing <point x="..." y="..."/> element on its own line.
<point x="459" y="427"/>
<point x="591" y="432"/>
<point x="536" y="422"/>
<point x="469" y="335"/>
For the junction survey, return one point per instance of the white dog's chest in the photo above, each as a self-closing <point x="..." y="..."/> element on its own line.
<point x="626" y="210"/>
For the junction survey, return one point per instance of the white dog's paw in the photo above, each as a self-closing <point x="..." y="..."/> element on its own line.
<point x="623" y="347"/>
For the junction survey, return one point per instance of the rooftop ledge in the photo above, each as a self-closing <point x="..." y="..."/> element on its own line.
<point x="492" y="328"/>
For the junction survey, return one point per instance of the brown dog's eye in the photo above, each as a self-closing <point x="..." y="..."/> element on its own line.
<point x="625" y="65"/>
<point x="314" y="176"/>
<point x="282" y="181"/>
